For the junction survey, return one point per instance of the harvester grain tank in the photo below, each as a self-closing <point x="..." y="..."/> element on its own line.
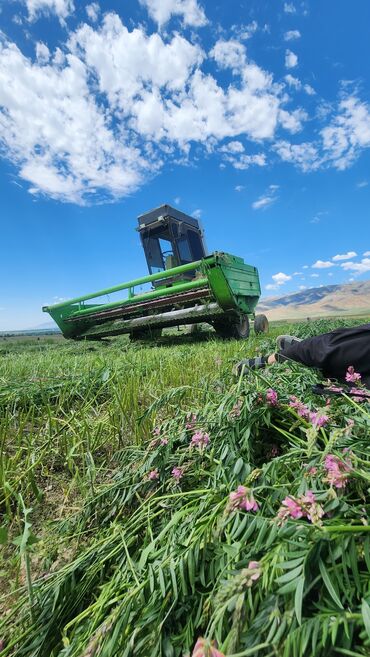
<point x="187" y="286"/>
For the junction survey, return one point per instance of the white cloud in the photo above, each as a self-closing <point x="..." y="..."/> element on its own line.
<point x="266" y="199"/>
<point x="42" y="53"/>
<point x="177" y="200"/>
<point x="292" y="81"/>
<point x="292" y="121"/>
<point x="93" y="11"/>
<point x="357" y="267"/>
<point x="305" y="155"/>
<point x="297" y="273"/>
<point x="362" y="183"/>
<point x="197" y="214"/>
<point x="232" y="147"/>
<point x="348" y="133"/>
<point x="162" y="10"/>
<point x="245" y="32"/>
<point x="291" y="59"/>
<point x="279" y="280"/>
<point x="310" y="91"/>
<point x="62" y="8"/>
<point x="305" y="267"/>
<point x="344" y="256"/>
<point x="239" y="188"/>
<point x="289" y="8"/>
<point x="322" y="264"/>
<point x="314" y="275"/>
<point x="303" y="287"/>
<point x="229" y="54"/>
<point x="292" y="35"/>
<point x="367" y="253"/>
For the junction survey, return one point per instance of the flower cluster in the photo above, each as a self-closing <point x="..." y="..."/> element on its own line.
<point x="304" y="506"/>
<point x="200" y="440"/>
<point x="242" y="498"/>
<point x="317" y="418"/>
<point x="177" y="473"/>
<point x="352" y="376"/>
<point x="337" y="470"/>
<point x="153" y="475"/>
<point x="271" y="397"/>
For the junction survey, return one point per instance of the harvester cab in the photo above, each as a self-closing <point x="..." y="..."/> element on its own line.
<point x="170" y="238"/>
<point x="186" y="286"/>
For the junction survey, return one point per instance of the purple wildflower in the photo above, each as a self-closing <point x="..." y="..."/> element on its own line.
<point x="200" y="440"/>
<point x="352" y="376"/>
<point x="242" y="498"/>
<point x="153" y="475"/>
<point x="177" y="473"/>
<point x="272" y="397"/>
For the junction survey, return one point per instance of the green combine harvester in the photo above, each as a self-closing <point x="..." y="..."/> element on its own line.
<point x="187" y="286"/>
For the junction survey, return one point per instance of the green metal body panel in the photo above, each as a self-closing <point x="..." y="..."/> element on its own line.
<point x="223" y="285"/>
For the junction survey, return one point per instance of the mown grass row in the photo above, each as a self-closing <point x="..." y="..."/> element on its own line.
<point x="141" y="565"/>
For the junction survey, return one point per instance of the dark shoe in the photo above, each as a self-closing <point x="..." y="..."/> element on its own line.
<point x="283" y="341"/>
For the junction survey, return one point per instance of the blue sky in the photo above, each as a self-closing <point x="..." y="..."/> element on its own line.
<point x="254" y="116"/>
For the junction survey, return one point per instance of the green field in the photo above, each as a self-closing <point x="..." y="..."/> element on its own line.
<point x="118" y="534"/>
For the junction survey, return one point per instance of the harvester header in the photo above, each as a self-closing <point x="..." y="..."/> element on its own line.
<point x="187" y="286"/>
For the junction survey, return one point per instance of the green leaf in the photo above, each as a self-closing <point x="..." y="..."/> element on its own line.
<point x="329" y="585"/>
<point x="365" y="610"/>
<point x="3" y="535"/>
<point x="238" y="466"/>
<point x="291" y="574"/>
<point x="298" y="598"/>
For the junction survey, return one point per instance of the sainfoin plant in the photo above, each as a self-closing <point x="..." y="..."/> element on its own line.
<point x="253" y="538"/>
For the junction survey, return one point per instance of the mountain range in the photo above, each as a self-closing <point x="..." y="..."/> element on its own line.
<point x="329" y="300"/>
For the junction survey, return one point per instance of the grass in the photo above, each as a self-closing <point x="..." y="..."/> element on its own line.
<point x="99" y="559"/>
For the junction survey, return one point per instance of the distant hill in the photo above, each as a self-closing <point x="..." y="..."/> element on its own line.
<point x="349" y="299"/>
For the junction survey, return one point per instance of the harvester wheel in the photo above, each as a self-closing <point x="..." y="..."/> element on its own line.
<point x="261" y="324"/>
<point x="233" y="327"/>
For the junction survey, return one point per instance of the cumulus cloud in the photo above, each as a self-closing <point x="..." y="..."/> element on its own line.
<point x="266" y="199"/>
<point x="161" y="11"/>
<point x="305" y="155"/>
<point x="291" y="59"/>
<point x="348" y="132"/>
<point x="292" y="35"/>
<point x="279" y="280"/>
<point x="367" y="253"/>
<point x="239" y="188"/>
<point x="89" y="119"/>
<point x="322" y="264"/>
<point x="289" y="8"/>
<point x="62" y="8"/>
<point x="93" y="11"/>
<point x="357" y="267"/>
<point x="345" y="256"/>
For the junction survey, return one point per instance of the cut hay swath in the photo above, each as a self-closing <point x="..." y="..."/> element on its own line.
<point x="213" y="517"/>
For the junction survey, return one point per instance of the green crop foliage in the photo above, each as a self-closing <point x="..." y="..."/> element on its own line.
<point x="122" y="458"/>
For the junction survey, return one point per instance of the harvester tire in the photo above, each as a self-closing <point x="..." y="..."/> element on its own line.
<point x="261" y="324"/>
<point x="237" y="328"/>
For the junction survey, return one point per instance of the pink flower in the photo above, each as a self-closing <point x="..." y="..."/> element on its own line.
<point x="156" y="431"/>
<point x="302" y="410"/>
<point x="312" y="471"/>
<point x="352" y="376"/>
<point x="272" y="397"/>
<point x="337" y="470"/>
<point x="177" y="473"/>
<point x="318" y="419"/>
<point x="242" y="498"/>
<point x="200" y="440"/>
<point x="304" y="506"/>
<point x="254" y="567"/>
<point x="164" y="441"/>
<point x="206" y="648"/>
<point x="153" y="474"/>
